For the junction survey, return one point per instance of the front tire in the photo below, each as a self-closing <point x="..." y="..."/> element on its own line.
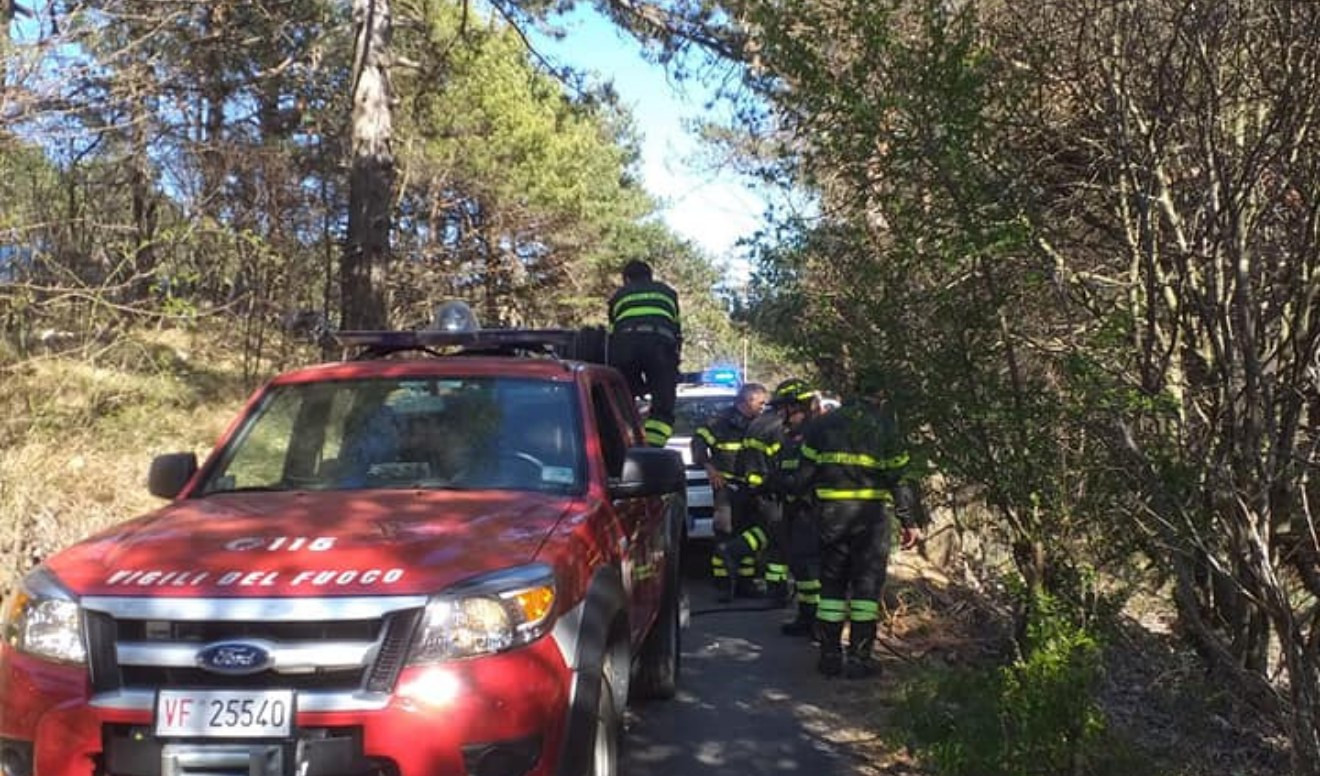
<point x="659" y="663"/>
<point x="606" y="742"/>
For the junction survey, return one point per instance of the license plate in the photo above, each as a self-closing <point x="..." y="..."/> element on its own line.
<point x="225" y="713"/>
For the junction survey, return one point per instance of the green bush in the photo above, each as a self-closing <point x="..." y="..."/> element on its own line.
<point x="1037" y="716"/>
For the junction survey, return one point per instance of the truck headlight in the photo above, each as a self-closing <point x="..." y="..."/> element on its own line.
<point x="41" y="618"/>
<point x="488" y="614"/>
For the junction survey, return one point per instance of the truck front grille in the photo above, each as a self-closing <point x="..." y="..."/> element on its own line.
<point x="148" y="644"/>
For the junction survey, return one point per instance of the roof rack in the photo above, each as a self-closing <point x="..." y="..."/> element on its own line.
<point x="586" y="344"/>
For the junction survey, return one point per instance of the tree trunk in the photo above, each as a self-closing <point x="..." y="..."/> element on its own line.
<point x="142" y="191"/>
<point x="371" y="181"/>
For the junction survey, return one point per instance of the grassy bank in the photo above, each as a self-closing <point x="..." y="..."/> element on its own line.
<point x="78" y="430"/>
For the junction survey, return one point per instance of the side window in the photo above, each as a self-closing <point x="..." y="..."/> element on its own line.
<point x="631" y="426"/>
<point x="613" y="443"/>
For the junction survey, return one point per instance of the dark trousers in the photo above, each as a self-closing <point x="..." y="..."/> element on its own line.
<point x="760" y="536"/>
<point x="802" y="539"/>
<point x="854" y="557"/>
<point x="649" y="362"/>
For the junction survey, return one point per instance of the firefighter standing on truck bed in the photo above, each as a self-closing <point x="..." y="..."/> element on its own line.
<point x="646" y="338"/>
<point x="854" y="465"/>
<point x="764" y="535"/>
<point x="715" y="447"/>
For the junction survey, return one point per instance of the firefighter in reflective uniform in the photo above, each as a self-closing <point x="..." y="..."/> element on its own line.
<point x="715" y="446"/>
<point x="758" y="461"/>
<point x="800" y="533"/>
<point x="645" y="341"/>
<point x="855" y="466"/>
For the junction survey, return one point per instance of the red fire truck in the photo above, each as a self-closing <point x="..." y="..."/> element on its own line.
<point x="449" y="554"/>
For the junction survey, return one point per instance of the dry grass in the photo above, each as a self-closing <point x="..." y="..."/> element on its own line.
<point x="77" y="432"/>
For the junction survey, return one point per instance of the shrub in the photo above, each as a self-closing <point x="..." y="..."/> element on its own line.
<point x="1037" y="716"/>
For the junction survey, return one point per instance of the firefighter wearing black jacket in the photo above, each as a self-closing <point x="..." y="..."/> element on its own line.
<point x="715" y="447"/>
<point x="764" y="535"/>
<point x="855" y="465"/>
<point x="646" y="338"/>
<point x="800" y="534"/>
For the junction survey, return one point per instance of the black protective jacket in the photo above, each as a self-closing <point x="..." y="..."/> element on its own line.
<point x="857" y="453"/>
<point x="719" y="441"/>
<point x="646" y="307"/>
<point x="758" y="459"/>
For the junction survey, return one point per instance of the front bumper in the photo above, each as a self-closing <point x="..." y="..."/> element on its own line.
<point x="498" y="715"/>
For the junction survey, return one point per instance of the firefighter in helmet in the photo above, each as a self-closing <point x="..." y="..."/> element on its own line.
<point x="764" y="536"/>
<point x="856" y="468"/>
<point x="716" y="445"/>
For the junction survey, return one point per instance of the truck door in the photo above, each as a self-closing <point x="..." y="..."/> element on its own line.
<point x="640" y="519"/>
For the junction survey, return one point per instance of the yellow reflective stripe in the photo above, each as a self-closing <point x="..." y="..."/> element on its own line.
<point x="790" y="463"/>
<point x="831" y="610"/>
<point x="753" y="541"/>
<point x="757" y="444"/>
<point x="720" y="572"/>
<point x="716" y="560"/>
<point x="656" y="438"/>
<point x="730" y="476"/>
<point x="638" y="312"/>
<point x="755" y="478"/>
<point x="646" y="296"/>
<point x="864" y="494"/>
<point x="810" y="599"/>
<point x="659" y="425"/>
<point x="706" y="436"/>
<point x="864" y="611"/>
<point x="808" y="584"/>
<point x="731" y="446"/>
<point x="855" y="459"/>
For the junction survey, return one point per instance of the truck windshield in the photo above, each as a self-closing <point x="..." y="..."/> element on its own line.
<point x="445" y="433"/>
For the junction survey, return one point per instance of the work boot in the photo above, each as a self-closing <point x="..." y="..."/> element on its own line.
<point x="723" y="591"/>
<point x="724" y="586"/>
<point x="746" y="588"/>
<point x="861" y="643"/>
<point x="861" y="663"/>
<point x="805" y="623"/>
<point x="830" y="664"/>
<point x="831" y="648"/>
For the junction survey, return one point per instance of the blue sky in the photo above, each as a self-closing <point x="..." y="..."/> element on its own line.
<point x="711" y="207"/>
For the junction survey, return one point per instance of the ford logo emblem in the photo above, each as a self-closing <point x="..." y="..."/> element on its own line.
<point x="235" y="658"/>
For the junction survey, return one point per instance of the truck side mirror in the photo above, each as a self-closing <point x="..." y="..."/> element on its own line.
<point x="649" y="471"/>
<point x="170" y="472"/>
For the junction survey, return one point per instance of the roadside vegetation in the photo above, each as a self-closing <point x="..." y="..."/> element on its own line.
<point x="1078" y="239"/>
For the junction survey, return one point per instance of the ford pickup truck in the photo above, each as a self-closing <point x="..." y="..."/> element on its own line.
<point x="449" y="554"/>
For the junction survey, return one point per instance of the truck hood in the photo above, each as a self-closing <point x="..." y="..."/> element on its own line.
<point x="312" y="544"/>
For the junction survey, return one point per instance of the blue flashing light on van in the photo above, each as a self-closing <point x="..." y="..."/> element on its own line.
<point x="721" y="376"/>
